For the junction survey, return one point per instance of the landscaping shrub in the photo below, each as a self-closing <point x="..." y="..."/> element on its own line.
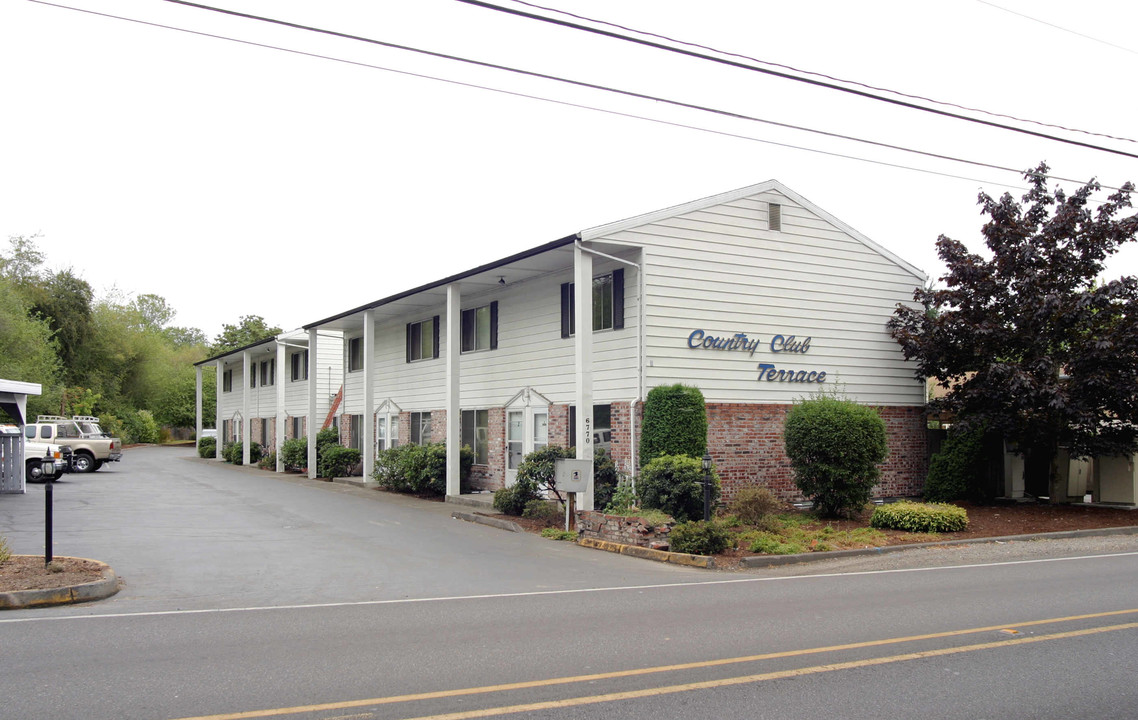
<point x="920" y="517"/>
<point x="623" y="500"/>
<point x="543" y="510"/>
<point x="957" y="471"/>
<point x="605" y="477"/>
<point x="207" y="447"/>
<point x="752" y="505"/>
<point x="675" y="423"/>
<point x="268" y="461"/>
<point x="674" y="484"/>
<point x="834" y="446"/>
<point x="5" y="551"/>
<point x="231" y="452"/>
<point x="140" y="427"/>
<point x="336" y="461"/>
<point x="512" y="500"/>
<point x="294" y="453"/>
<point x="419" y="468"/>
<point x="699" y="538"/>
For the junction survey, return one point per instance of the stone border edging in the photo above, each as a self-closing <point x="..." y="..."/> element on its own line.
<point x="701" y="561"/>
<point x="486" y="520"/>
<point x="84" y="592"/>
<point x="760" y="561"/>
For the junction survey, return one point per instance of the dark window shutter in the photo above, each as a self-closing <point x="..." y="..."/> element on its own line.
<point x="408" y="342"/>
<point x="435" y="325"/>
<point x="566" y="309"/>
<point x="617" y="299"/>
<point x="494" y="325"/>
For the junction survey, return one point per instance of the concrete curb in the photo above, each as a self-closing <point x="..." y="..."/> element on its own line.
<point x="700" y="561"/>
<point x="761" y="561"/>
<point x="105" y="587"/>
<point x="484" y="520"/>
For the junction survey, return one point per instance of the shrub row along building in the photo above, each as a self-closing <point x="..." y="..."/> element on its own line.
<point x="757" y="297"/>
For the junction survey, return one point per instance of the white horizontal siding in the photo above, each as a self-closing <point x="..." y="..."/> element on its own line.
<point x="721" y="270"/>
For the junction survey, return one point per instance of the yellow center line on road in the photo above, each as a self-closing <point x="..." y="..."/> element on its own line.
<point x="505" y="687"/>
<point x="725" y="682"/>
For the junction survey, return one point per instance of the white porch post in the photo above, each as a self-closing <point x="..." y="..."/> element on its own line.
<point x="367" y="442"/>
<point x="279" y="429"/>
<point x="311" y="424"/>
<point x="246" y="423"/>
<point x="198" y="403"/>
<point x="219" y="380"/>
<point x="454" y="412"/>
<point x="583" y="344"/>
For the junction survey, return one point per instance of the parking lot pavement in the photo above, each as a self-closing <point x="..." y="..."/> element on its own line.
<point x="185" y="533"/>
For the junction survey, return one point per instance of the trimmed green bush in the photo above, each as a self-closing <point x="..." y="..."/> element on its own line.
<point x="419" y="468"/>
<point x="294" y="453"/>
<point x="835" y="446"/>
<point x="920" y="517"/>
<point x="675" y="423"/>
<point x="699" y="538"/>
<point x="336" y="461"/>
<point x="233" y="452"/>
<point x="207" y="447"/>
<point x="268" y="461"/>
<point x="674" y="484"/>
<point x="543" y="510"/>
<point x="752" y="505"/>
<point x="957" y="471"/>
<point x="140" y="427"/>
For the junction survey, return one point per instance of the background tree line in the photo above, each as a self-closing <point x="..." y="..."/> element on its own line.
<point x="118" y="356"/>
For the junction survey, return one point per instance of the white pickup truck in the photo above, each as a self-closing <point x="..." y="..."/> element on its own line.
<point x="89" y="449"/>
<point x="36" y="452"/>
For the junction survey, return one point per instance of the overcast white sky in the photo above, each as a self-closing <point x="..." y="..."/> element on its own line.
<point x="233" y="179"/>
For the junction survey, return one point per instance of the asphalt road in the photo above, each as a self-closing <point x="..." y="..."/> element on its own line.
<point x="257" y="596"/>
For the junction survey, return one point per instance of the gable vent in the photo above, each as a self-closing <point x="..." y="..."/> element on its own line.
<point x="774" y="216"/>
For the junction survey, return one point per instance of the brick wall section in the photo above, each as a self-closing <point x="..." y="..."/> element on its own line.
<point x="620" y="529"/>
<point x="747" y="447"/>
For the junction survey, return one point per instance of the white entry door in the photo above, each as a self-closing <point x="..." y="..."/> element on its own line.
<point x="527" y="429"/>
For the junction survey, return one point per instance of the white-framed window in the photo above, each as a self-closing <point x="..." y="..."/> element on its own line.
<point x="476" y="433"/>
<point x="480" y="328"/>
<point x="227" y="381"/>
<point x="608" y="303"/>
<point x="299" y="362"/>
<point x="269" y="372"/>
<point x="297" y="426"/>
<point x="252" y="375"/>
<point x="355" y="354"/>
<point x="420" y="428"/>
<point x="423" y="339"/>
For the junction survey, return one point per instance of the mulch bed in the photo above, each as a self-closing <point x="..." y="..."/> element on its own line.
<point x="27" y="572"/>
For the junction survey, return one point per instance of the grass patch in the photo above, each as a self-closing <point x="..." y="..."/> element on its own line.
<point x="557" y="534"/>
<point x="794" y="533"/>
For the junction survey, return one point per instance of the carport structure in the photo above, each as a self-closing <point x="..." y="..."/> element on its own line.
<point x="14" y="401"/>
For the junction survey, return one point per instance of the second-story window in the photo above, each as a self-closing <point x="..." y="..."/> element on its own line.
<point x="355" y="354"/>
<point x="480" y="328"/>
<point x="608" y="303"/>
<point x="299" y="362"/>
<point x="423" y="339"/>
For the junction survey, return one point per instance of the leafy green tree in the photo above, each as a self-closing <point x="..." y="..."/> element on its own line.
<point x="64" y="300"/>
<point x="1028" y="341"/>
<point x="249" y="330"/>
<point x="23" y="262"/>
<point x="27" y="350"/>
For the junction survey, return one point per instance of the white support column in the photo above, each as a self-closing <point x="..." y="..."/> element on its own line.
<point x="197" y="403"/>
<point x="312" y="424"/>
<point x="246" y="423"/>
<point x="367" y="442"/>
<point x="583" y="344"/>
<point x="454" y="411"/>
<point x="279" y="430"/>
<point x="219" y="380"/>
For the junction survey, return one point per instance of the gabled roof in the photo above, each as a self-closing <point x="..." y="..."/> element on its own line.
<point x="602" y="231"/>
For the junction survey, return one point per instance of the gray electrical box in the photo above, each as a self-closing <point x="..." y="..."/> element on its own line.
<point x="573" y="475"/>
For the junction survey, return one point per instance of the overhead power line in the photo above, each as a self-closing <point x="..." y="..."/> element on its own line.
<point x="1058" y="27"/>
<point x="1017" y="171"/>
<point x="829" y="77"/>
<point x="780" y="74"/>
